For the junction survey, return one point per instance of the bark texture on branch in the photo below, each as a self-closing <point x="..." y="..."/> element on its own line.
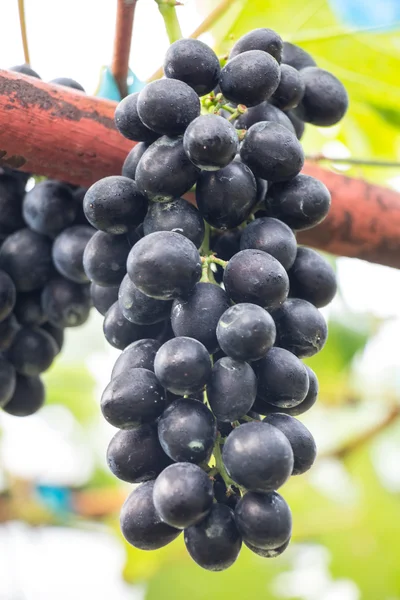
<point x="60" y="133"/>
<point x="122" y="43"/>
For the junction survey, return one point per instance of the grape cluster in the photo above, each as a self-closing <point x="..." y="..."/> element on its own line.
<point x="214" y="306"/>
<point x="43" y="286"/>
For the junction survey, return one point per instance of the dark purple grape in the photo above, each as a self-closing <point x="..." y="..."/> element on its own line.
<point x="296" y="57"/>
<point x="132" y="398"/>
<point x="135" y="455"/>
<point x="301" y="203"/>
<point x="300" y="439"/>
<point x="263" y="39"/>
<point x="271" y="236"/>
<point x="28" y="396"/>
<point x="49" y="207"/>
<point x="256" y="277"/>
<point x="68" y="250"/>
<point x="164" y="265"/>
<point x="282" y="378"/>
<point x="114" y="204"/>
<point x="132" y="160"/>
<point x="325" y="100"/>
<point x="231" y="389"/>
<point x="264" y="520"/>
<point x="7" y="381"/>
<point x="32" y="351"/>
<point x="103" y="297"/>
<point x="258" y="456"/>
<point x="11" y="196"/>
<point x="183" y="495"/>
<point x="167" y="106"/>
<point x="129" y="123"/>
<point x="178" y="216"/>
<point x="194" y="63"/>
<point x="68" y="82"/>
<point x="139" y="308"/>
<point x="264" y="112"/>
<point x="214" y="543"/>
<point x="290" y="90"/>
<point x="165" y="172"/>
<point x="221" y="493"/>
<point x="25" y="70"/>
<point x="138" y="354"/>
<point x="182" y="365"/>
<point x="66" y="304"/>
<point x="246" y="332"/>
<point x="8" y="295"/>
<point x="272" y="152"/>
<point x="119" y="332"/>
<point x="28" y="308"/>
<point x="26" y="256"/>
<point x="225" y="198"/>
<point x="268" y="553"/>
<point x="8" y="330"/>
<point x="141" y="526"/>
<point x="297" y="123"/>
<point x="312" y="278"/>
<point x="57" y="333"/>
<point x="211" y="142"/>
<point x="105" y="258"/>
<point x="187" y="431"/>
<point x="250" y="77"/>
<point x="197" y="315"/>
<point x="300" y="327"/>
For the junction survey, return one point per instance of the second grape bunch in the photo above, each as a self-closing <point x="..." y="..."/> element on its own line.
<point x="217" y="304"/>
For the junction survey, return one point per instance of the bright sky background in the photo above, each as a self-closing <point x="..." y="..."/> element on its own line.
<point x="74" y="39"/>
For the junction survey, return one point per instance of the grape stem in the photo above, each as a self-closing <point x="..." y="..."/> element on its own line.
<point x="168" y="12"/>
<point x="24" y="35"/>
<point x="219" y="465"/>
<point x="122" y="44"/>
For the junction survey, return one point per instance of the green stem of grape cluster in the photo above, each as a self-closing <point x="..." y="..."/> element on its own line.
<point x="172" y="26"/>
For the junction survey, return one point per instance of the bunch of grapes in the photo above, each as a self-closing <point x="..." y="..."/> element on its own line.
<point x="43" y="286"/>
<point x="216" y="304"/>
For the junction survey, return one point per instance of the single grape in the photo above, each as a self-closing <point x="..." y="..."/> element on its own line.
<point x="246" y="332"/>
<point x="28" y="396"/>
<point x="8" y="295"/>
<point x="140" y="524"/>
<point x="290" y="90"/>
<point x="325" y="100"/>
<point x="57" y="333"/>
<point x="128" y="122"/>
<point x="28" y="308"/>
<point x="11" y="196"/>
<point x="297" y="123"/>
<point x="26" y="256"/>
<point x="305" y="404"/>
<point x="211" y="142"/>
<point x="250" y="77"/>
<point x="67" y="252"/>
<point x="182" y="365"/>
<point x="68" y="82"/>
<point x="65" y="303"/>
<point x="7" y="381"/>
<point x="183" y="495"/>
<point x="25" y="70"/>
<point x="271" y="553"/>
<point x="194" y="63"/>
<point x="256" y="277"/>
<point x="300" y="327"/>
<point x="104" y="258"/>
<point x="264" y="112"/>
<point x="296" y="57"/>
<point x="197" y="315"/>
<point x="258" y="456"/>
<point x="271" y="236"/>
<point x="264" y="520"/>
<point x="32" y="351"/>
<point x="282" y="378"/>
<point x="225" y="244"/>
<point x="8" y="330"/>
<point x="164" y="265"/>
<point x="214" y="543"/>
<point x="225" y="198"/>
<point x="114" y="204"/>
<point x="231" y="389"/>
<point x="300" y="439"/>
<point x="132" y="398"/>
<point x="301" y="203"/>
<point x="263" y="39"/>
<point x="139" y="308"/>
<point x="312" y="278"/>
<point x="165" y="172"/>
<point x="119" y="332"/>
<point x="49" y="207"/>
<point x="187" y="431"/>
<point x="138" y="354"/>
<point x="272" y="152"/>
<point x="103" y="297"/>
<point x="135" y="455"/>
<point x="178" y="216"/>
<point x="167" y="106"/>
<point x="132" y="160"/>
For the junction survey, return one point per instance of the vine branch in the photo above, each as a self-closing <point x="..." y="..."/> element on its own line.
<point x="122" y="43"/>
<point x="354" y="161"/>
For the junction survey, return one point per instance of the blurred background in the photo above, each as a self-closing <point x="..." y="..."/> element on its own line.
<point x="59" y="532"/>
